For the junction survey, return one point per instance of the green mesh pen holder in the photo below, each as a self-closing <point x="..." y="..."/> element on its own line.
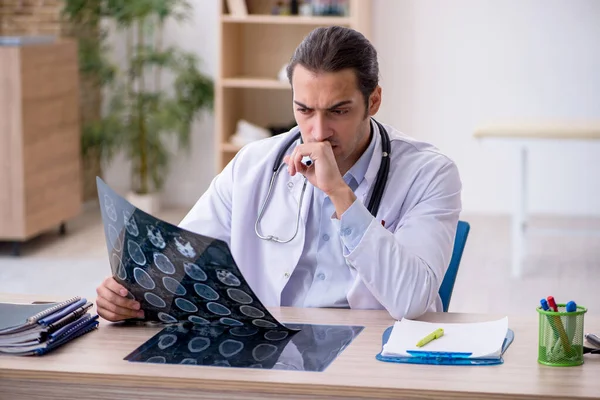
<point x="561" y="337"/>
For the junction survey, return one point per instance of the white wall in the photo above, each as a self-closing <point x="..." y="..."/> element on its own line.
<point x="449" y="66"/>
<point x="190" y="174"/>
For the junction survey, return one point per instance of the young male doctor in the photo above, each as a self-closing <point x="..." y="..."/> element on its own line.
<point x="317" y="244"/>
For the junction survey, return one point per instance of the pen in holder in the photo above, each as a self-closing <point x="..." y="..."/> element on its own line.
<point x="561" y="336"/>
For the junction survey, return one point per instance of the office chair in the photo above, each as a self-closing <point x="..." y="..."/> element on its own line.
<point x="462" y="232"/>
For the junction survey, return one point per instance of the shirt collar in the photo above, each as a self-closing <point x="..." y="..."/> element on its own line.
<point x="356" y="173"/>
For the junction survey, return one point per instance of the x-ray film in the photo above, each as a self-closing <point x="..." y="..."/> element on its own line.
<point x="312" y="348"/>
<point x="175" y="274"/>
<point x="242" y="347"/>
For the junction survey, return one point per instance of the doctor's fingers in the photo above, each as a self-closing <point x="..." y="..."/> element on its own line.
<point x="299" y="166"/>
<point x="111" y="284"/>
<point x="315" y="150"/>
<point x="112" y="312"/>
<point x="292" y="164"/>
<point x="105" y="292"/>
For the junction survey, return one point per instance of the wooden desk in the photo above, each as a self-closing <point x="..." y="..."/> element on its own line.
<point x="523" y="136"/>
<point x="92" y="367"/>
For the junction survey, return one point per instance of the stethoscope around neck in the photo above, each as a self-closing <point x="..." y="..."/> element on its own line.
<point x="374" y="201"/>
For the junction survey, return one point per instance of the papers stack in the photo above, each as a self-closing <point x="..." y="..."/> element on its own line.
<point x="35" y="329"/>
<point x="461" y="343"/>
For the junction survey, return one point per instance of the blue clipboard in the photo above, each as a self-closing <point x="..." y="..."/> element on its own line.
<point x="439" y="358"/>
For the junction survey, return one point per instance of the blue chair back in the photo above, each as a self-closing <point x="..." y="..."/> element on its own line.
<point x="462" y="232"/>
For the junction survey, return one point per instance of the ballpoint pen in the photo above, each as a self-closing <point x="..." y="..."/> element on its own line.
<point x="306" y="160"/>
<point x="438" y="333"/>
<point x="593" y="339"/>
<point x="552" y="343"/>
<point x="545" y="307"/>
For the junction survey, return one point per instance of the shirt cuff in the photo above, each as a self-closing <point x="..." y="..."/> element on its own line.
<point x="353" y="225"/>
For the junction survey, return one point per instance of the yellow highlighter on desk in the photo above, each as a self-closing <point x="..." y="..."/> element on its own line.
<point x="438" y="333"/>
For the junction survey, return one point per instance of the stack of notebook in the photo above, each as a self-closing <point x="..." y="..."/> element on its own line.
<point x="36" y="329"/>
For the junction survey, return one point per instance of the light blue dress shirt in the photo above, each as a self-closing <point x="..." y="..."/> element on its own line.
<point x="322" y="278"/>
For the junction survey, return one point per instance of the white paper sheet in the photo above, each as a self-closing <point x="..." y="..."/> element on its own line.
<point x="482" y="339"/>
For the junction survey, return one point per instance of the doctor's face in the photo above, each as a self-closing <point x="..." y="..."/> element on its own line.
<point x="328" y="106"/>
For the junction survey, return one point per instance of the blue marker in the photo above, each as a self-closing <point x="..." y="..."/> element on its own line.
<point x="544" y="304"/>
<point x="546" y="307"/>
<point x="571" y="321"/>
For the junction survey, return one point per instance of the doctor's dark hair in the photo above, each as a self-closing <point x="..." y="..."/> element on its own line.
<point x="335" y="48"/>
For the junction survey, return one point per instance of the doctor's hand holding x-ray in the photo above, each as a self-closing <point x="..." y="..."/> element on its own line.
<point x="369" y="224"/>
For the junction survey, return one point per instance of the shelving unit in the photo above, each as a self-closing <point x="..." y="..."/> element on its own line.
<point x="40" y="183"/>
<point x="253" y="49"/>
<point x="287" y="19"/>
<point x="255" y="83"/>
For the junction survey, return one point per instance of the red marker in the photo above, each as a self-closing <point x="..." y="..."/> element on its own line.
<point x="552" y="303"/>
<point x="383" y="223"/>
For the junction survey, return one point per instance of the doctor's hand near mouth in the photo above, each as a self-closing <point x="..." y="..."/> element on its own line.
<point x="323" y="173"/>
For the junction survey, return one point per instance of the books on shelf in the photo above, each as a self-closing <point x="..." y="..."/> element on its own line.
<point x="237" y="8"/>
<point x="36" y="329"/>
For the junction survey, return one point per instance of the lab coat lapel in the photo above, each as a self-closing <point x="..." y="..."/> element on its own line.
<point x="363" y="192"/>
<point x="295" y="184"/>
<point x="366" y="186"/>
<point x="285" y="257"/>
<point x="282" y="211"/>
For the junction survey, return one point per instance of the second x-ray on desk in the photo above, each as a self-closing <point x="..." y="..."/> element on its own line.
<point x="175" y="274"/>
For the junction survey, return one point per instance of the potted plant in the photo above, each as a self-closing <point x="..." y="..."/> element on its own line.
<point x="81" y="21"/>
<point x="143" y="115"/>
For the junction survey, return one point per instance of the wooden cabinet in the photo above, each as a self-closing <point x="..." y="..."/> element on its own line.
<point x="253" y="49"/>
<point x="40" y="184"/>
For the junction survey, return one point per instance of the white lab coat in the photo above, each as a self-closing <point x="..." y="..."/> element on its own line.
<point x="398" y="267"/>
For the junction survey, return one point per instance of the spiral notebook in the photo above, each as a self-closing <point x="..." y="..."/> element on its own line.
<point x="16" y="317"/>
<point x="35" y="329"/>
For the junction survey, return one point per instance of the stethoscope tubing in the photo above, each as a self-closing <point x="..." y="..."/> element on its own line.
<point x="376" y="196"/>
